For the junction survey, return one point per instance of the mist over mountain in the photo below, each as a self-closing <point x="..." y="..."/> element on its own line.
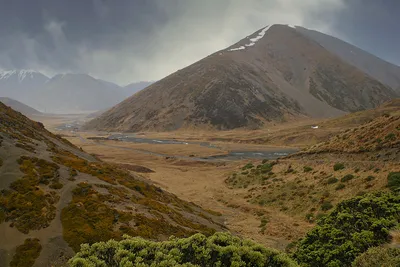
<point x="63" y="93"/>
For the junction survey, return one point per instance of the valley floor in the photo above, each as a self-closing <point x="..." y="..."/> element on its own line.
<point x="275" y="210"/>
<point x="204" y="184"/>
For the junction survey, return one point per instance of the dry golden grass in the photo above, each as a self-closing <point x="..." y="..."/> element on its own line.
<point x="203" y="184"/>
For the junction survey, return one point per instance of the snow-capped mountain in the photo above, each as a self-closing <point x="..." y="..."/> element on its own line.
<point x="20" y="84"/>
<point x="22" y="76"/>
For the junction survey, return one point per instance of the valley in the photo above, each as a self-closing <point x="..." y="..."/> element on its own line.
<point x="274" y="206"/>
<point x="280" y="149"/>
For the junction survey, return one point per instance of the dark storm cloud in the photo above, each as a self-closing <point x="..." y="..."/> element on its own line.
<point x="372" y="25"/>
<point x="131" y="40"/>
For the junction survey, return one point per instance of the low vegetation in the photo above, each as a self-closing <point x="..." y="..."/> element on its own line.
<point x="251" y="175"/>
<point x="342" y="238"/>
<point x="90" y="218"/>
<point x="307" y="169"/>
<point x="378" y="257"/>
<point x="379" y="138"/>
<point x="394" y="181"/>
<point x="338" y="166"/>
<point x="26" y="254"/>
<point x="220" y="249"/>
<point x="26" y="204"/>
<point x="350" y="229"/>
<point x="347" y="177"/>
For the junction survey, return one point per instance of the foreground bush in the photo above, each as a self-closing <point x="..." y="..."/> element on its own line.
<point x="220" y="249"/>
<point x="351" y="229"/>
<point x="377" y="257"/>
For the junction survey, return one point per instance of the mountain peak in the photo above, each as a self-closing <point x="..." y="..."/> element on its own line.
<point x="275" y="74"/>
<point x="252" y="39"/>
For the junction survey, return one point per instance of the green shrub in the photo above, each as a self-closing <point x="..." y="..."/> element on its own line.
<point x="326" y="205"/>
<point x="332" y="180"/>
<point x="27" y="253"/>
<point x="370" y="178"/>
<point x="338" y="166"/>
<point x="347" y="177"/>
<point x="307" y="168"/>
<point x="377" y="257"/>
<point x="220" y="249"/>
<point x="340" y="187"/>
<point x="394" y="181"/>
<point x="390" y="137"/>
<point x="56" y="185"/>
<point x="248" y="166"/>
<point x="350" y="229"/>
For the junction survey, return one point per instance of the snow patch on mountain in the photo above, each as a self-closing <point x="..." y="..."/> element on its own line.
<point x="21" y="74"/>
<point x="6" y="74"/>
<point x="253" y="41"/>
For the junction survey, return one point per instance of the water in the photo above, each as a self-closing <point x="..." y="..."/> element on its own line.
<point x="271" y="153"/>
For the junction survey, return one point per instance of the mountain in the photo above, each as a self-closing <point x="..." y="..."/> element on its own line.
<point x="64" y="93"/>
<point x="381" y="70"/>
<point x="18" y="106"/>
<point x="78" y="92"/>
<point x="21" y="84"/>
<point x="276" y="74"/>
<point x="54" y="197"/>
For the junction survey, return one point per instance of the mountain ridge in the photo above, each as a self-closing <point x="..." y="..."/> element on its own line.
<point x="272" y="75"/>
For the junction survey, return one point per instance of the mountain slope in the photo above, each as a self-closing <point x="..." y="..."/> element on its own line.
<point x="273" y="75"/>
<point x="381" y="70"/>
<point x="54" y="197"/>
<point x="370" y="135"/>
<point x="18" y="106"/>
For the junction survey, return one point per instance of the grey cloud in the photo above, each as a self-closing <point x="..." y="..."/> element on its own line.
<point x="125" y="41"/>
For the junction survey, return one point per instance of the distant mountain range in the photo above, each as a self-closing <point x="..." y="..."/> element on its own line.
<point x="278" y="73"/>
<point x="64" y="93"/>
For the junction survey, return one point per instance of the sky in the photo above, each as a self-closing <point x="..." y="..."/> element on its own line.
<point x="126" y="41"/>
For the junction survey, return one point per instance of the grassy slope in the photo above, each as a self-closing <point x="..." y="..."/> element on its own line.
<point x="93" y="200"/>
